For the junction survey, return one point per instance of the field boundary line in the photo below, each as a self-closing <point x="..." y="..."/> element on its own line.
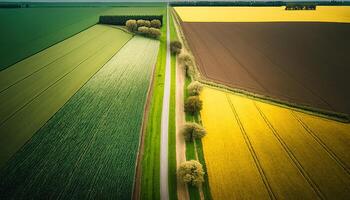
<point x="340" y="117"/>
<point x="291" y="155"/>
<point x="138" y="167"/>
<point x="321" y="143"/>
<point x="43" y="67"/>
<point x="337" y="116"/>
<point x="251" y="150"/>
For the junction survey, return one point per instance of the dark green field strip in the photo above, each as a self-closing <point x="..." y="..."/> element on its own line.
<point x="28" y="31"/>
<point x="88" y="149"/>
<point x="18" y="95"/>
<point x="17" y="129"/>
<point x="42" y="59"/>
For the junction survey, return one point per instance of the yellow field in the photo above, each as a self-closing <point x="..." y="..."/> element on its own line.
<point x="255" y="150"/>
<point x="263" y="14"/>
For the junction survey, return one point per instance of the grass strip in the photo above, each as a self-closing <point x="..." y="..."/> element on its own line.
<point x="172" y="120"/>
<point x="201" y="158"/>
<point x="150" y="177"/>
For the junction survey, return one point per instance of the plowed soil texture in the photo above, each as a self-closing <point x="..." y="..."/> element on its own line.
<point x="299" y="62"/>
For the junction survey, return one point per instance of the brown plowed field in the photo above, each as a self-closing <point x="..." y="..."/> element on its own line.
<point x="304" y="63"/>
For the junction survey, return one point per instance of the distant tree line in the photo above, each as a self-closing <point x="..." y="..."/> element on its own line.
<point x="300" y="7"/>
<point x="148" y="28"/>
<point x="13" y="5"/>
<point x="121" y="19"/>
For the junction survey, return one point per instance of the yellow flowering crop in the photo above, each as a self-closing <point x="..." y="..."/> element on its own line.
<point x="254" y="149"/>
<point x="264" y="14"/>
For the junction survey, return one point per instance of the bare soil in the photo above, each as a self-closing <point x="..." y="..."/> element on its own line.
<point x="299" y="62"/>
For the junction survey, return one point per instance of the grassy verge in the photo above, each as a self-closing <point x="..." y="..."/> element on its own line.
<point x="172" y="132"/>
<point x="150" y="179"/>
<point x="205" y="186"/>
<point x="172" y="120"/>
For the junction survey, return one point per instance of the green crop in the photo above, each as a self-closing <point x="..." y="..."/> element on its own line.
<point x="88" y="149"/>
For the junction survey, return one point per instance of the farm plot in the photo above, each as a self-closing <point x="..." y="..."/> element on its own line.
<point x="255" y="150"/>
<point x="26" y="31"/>
<point x="88" y="149"/>
<point x="36" y="88"/>
<point x="296" y="62"/>
<point x="339" y="14"/>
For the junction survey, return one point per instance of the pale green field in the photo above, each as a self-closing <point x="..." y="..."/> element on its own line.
<point x="29" y="102"/>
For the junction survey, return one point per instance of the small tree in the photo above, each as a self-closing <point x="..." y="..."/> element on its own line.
<point x="192" y="131"/>
<point x="194" y="88"/>
<point x="156" y="23"/>
<point x="147" y="23"/>
<point x="131" y="25"/>
<point x="191" y="172"/>
<point x="193" y="105"/>
<point x="185" y="59"/>
<point x="154" y="33"/>
<point x="175" y="47"/>
<point x="140" y="23"/>
<point x="143" y="30"/>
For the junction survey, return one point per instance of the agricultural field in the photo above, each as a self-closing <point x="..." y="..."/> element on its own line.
<point x="338" y="14"/>
<point x="28" y="31"/>
<point x="283" y="60"/>
<point x="88" y="149"/>
<point x="95" y="97"/>
<point x="33" y="90"/>
<point x="256" y="150"/>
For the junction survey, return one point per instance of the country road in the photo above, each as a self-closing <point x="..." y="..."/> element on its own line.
<point x="164" y="187"/>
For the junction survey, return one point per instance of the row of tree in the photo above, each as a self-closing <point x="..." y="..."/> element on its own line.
<point x="145" y="27"/>
<point x="191" y="171"/>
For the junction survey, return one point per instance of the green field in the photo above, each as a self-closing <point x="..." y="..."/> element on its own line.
<point x="88" y="149"/>
<point x="33" y="90"/>
<point x="26" y="31"/>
